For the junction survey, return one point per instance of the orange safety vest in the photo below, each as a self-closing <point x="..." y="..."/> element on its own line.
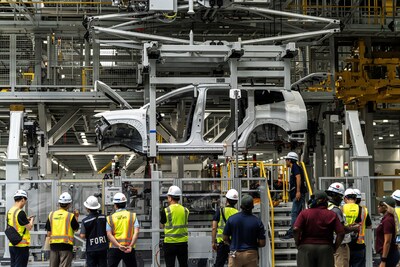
<point x="361" y="231"/>
<point x="61" y="230"/>
<point x="122" y="227"/>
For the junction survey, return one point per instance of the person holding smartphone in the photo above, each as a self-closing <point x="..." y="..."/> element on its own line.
<point x="17" y="218"/>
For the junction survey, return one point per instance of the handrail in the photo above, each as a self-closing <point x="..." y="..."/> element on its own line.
<point x="271" y="204"/>
<point x="307" y="179"/>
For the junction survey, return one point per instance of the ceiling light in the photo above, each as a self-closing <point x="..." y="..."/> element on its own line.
<point x="129" y="160"/>
<point x="391" y="135"/>
<point x="341" y="146"/>
<point x="92" y="162"/>
<point x="66" y="169"/>
<point x="385" y="121"/>
<point x="380" y="137"/>
<point x="339" y="133"/>
<point x="374" y="123"/>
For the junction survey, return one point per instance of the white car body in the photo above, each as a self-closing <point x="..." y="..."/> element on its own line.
<point x="130" y="128"/>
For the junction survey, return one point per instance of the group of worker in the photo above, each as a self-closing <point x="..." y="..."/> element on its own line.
<point x="328" y="220"/>
<point x="108" y="239"/>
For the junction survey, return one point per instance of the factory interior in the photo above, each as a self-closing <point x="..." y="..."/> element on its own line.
<point x="133" y="96"/>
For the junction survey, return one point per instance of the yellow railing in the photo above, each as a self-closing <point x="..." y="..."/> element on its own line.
<point x="271" y="204"/>
<point x="307" y="179"/>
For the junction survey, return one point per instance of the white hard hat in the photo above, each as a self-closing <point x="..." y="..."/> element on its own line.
<point x="232" y="194"/>
<point x="336" y="188"/>
<point x="292" y="155"/>
<point x="396" y="195"/>
<point x="92" y="203"/>
<point x="21" y="193"/>
<point x="119" y="198"/>
<point x="358" y="192"/>
<point x="350" y="191"/>
<point x="174" y="191"/>
<point x="65" y="198"/>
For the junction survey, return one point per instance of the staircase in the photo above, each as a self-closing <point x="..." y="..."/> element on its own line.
<point x="285" y="249"/>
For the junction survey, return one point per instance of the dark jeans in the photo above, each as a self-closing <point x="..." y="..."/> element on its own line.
<point x="392" y="258"/>
<point x="96" y="258"/>
<point x="357" y="258"/>
<point x="297" y="207"/>
<point x="222" y="255"/>
<point x="19" y="256"/>
<point x="172" y="251"/>
<point x="115" y="256"/>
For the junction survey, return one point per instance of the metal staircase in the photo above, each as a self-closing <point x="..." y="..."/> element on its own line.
<point x="285" y="249"/>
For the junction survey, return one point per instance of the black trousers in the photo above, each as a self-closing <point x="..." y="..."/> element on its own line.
<point x="222" y="255"/>
<point x="115" y="256"/>
<point x="173" y="251"/>
<point x="96" y="258"/>
<point x="19" y="256"/>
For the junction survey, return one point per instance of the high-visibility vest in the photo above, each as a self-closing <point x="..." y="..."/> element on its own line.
<point x="351" y="211"/>
<point x="361" y="231"/>
<point x="61" y="230"/>
<point x="176" y="227"/>
<point x="397" y="209"/>
<point x="122" y="227"/>
<point x="228" y="212"/>
<point x="12" y="218"/>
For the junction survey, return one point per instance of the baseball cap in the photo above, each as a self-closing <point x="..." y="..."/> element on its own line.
<point x="388" y="200"/>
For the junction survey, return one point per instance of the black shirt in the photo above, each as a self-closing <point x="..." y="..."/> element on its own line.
<point x="62" y="246"/>
<point x="163" y="217"/>
<point x="296" y="170"/>
<point x="22" y="219"/>
<point x="94" y="228"/>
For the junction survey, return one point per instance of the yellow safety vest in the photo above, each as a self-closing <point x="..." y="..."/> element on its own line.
<point x="176" y="227"/>
<point x="122" y="227"/>
<point x="397" y="209"/>
<point x="61" y="230"/>
<point x="351" y="212"/>
<point x="12" y="217"/>
<point x="228" y="212"/>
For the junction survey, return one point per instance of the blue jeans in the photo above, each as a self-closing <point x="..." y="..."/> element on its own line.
<point x="357" y="258"/>
<point x="297" y="207"/>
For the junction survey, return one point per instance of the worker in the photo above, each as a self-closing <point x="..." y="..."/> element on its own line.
<point x="385" y="239"/>
<point x="123" y="232"/>
<point x="244" y="233"/>
<point x="297" y="189"/>
<point x="355" y="213"/>
<point x="218" y="224"/>
<point x="93" y="229"/>
<point x="396" y="197"/>
<point x="174" y="219"/>
<point x="17" y="218"/>
<point x="313" y="233"/>
<point x="335" y="194"/>
<point x="60" y="227"/>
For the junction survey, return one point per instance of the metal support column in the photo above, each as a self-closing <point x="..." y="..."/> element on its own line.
<point x="152" y="110"/>
<point x="96" y="61"/>
<point x="13" y="162"/>
<point x="233" y="65"/>
<point x="329" y="148"/>
<point x="38" y="61"/>
<point x="360" y="166"/>
<point x="13" y="62"/>
<point x="155" y="212"/>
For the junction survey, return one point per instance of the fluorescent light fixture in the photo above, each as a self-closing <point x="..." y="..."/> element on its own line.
<point x="341" y="146"/>
<point x="62" y="76"/>
<point x="129" y="160"/>
<point x="391" y="135"/>
<point x="374" y="123"/>
<point x="54" y="161"/>
<point x="66" y="169"/>
<point x="385" y="121"/>
<point x="380" y="137"/>
<point x="339" y="133"/>
<point x="92" y="162"/>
